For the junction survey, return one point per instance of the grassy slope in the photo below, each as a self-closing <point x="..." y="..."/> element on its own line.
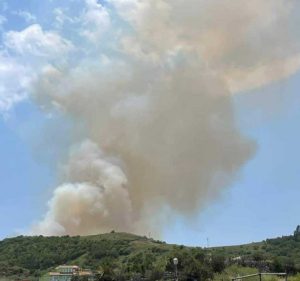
<point x="35" y="255"/>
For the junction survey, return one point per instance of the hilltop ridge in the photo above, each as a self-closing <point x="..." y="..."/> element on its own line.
<point x="129" y="253"/>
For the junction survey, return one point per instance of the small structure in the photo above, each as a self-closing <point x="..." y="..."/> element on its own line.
<point x="66" y="272"/>
<point x="237" y="259"/>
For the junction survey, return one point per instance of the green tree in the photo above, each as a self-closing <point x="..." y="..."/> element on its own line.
<point x="218" y="263"/>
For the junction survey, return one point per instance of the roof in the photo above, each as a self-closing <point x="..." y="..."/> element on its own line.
<point x="68" y="266"/>
<point x="59" y="274"/>
<point x="85" y="273"/>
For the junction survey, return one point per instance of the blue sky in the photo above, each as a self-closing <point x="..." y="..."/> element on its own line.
<point x="262" y="203"/>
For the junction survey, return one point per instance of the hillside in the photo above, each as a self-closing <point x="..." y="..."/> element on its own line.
<point x="277" y="255"/>
<point x="285" y="249"/>
<point x="126" y="254"/>
<point x="33" y="256"/>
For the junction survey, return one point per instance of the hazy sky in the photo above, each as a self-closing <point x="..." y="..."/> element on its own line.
<point x="263" y="201"/>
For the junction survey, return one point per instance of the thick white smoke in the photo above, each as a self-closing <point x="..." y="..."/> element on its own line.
<point x="96" y="185"/>
<point x="156" y="111"/>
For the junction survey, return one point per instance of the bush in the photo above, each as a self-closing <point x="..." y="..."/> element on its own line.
<point x="218" y="263"/>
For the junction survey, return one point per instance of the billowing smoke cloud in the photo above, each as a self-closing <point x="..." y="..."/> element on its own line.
<point x="89" y="202"/>
<point x="156" y="110"/>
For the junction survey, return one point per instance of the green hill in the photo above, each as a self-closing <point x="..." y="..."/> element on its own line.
<point x="276" y="255"/>
<point x="126" y="255"/>
<point x="285" y="249"/>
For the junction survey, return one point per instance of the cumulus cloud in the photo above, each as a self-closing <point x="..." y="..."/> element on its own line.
<point x="35" y="41"/>
<point x="23" y="55"/>
<point x="61" y="17"/>
<point x="95" y="20"/>
<point x="11" y="91"/>
<point x="28" y="17"/>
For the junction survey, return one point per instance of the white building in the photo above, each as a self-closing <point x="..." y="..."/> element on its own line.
<point x="66" y="272"/>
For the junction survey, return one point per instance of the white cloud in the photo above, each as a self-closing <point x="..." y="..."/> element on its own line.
<point x="35" y="41"/>
<point x="28" y="17"/>
<point x="95" y="20"/>
<point x="14" y="82"/>
<point x="62" y="17"/>
<point x="24" y="55"/>
<point x="2" y="21"/>
<point x="130" y="10"/>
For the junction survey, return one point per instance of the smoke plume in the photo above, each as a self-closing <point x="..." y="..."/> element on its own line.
<point x="154" y="109"/>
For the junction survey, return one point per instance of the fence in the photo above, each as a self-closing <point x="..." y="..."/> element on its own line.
<point x="260" y="275"/>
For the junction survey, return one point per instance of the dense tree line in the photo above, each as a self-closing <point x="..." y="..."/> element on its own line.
<point x="118" y="256"/>
<point x="276" y="255"/>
